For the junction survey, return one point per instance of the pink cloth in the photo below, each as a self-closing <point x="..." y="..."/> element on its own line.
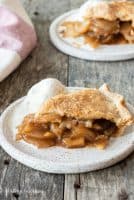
<point x="15" y="33"/>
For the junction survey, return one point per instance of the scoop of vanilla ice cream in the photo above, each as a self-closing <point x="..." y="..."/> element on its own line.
<point x="41" y="92"/>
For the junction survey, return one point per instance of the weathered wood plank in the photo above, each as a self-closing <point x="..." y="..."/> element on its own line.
<point x="16" y="180"/>
<point x="119" y="75"/>
<point x="113" y="183"/>
<point x="76" y="4"/>
<point x="28" y="184"/>
<point x="45" y="9"/>
<point x="72" y="184"/>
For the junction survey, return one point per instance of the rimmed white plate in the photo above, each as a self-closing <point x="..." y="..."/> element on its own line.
<point x="58" y="159"/>
<point x="102" y="53"/>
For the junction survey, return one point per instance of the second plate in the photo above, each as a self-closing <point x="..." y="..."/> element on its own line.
<point x="103" y="53"/>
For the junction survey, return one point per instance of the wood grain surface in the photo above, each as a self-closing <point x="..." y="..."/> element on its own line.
<point x="23" y="183"/>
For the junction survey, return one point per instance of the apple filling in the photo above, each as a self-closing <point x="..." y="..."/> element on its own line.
<point x="99" y="31"/>
<point x="52" y="129"/>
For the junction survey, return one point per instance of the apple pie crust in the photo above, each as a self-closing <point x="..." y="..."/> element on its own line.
<point x="103" y="23"/>
<point x="78" y="119"/>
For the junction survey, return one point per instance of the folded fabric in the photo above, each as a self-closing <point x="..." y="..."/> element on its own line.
<point x="17" y="36"/>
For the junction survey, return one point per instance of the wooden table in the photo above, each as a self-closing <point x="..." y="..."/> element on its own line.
<point x="20" y="182"/>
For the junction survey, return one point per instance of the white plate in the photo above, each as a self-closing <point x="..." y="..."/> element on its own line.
<point x="58" y="159"/>
<point x="103" y="53"/>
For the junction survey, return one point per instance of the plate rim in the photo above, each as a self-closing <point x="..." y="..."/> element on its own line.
<point x="14" y="152"/>
<point x="68" y="49"/>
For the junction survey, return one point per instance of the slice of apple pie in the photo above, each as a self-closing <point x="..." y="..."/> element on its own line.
<point x="84" y="118"/>
<point x="105" y="22"/>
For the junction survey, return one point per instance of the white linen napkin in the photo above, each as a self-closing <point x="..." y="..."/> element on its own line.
<point x="17" y="36"/>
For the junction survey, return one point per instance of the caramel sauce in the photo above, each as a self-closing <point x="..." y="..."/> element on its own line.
<point x="68" y="132"/>
<point x="118" y="39"/>
<point x="91" y="41"/>
<point x="40" y="143"/>
<point x="98" y="31"/>
<point x="74" y="29"/>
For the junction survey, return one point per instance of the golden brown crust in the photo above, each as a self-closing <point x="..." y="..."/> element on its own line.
<point x="90" y="104"/>
<point x="113" y="10"/>
<point x="126" y="117"/>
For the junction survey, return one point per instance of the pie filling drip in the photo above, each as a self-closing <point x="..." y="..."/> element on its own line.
<point x="52" y="129"/>
<point x="100" y="31"/>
